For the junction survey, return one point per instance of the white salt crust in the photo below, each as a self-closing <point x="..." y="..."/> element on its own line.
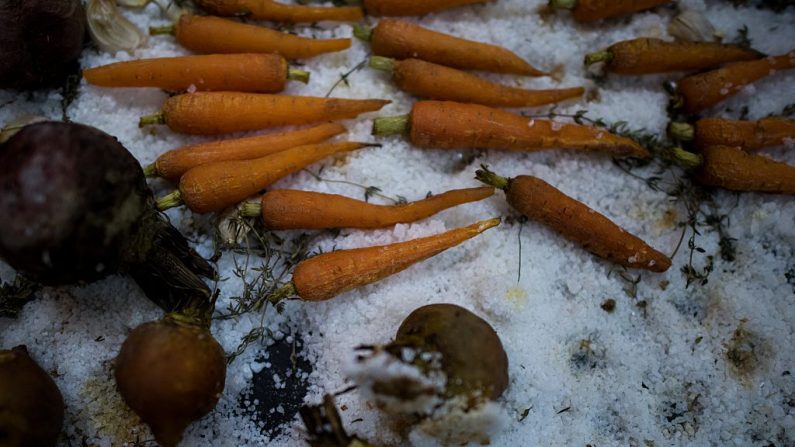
<point x="652" y="376"/>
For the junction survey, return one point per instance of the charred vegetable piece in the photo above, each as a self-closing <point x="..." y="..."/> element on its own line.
<point x="78" y="209"/>
<point x="31" y="406"/>
<point x="40" y="41"/>
<point x="171" y="373"/>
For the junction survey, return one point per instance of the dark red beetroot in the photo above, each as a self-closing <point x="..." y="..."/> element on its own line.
<point x="171" y="373"/>
<point x="31" y="406"/>
<point x="76" y="208"/>
<point x="40" y="41"/>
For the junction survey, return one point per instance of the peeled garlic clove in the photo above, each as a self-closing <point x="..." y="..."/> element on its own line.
<point x="110" y="30"/>
<point x="692" y="26"/>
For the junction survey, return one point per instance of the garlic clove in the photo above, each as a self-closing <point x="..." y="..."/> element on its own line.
<point x="110" y="30"/>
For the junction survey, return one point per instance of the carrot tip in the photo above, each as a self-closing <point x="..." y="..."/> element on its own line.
<point x="171" y="200"/>
<point x="282" y="293"/>
<point x="160" y="30"/>
<point x="363" y="33"/>
<point x="150" y="170"/>
<point x="599" y="56"/>
<point x="685" y="159"/>
<point x="391" y="125"/>
<point x="251" y="208"/>
<point x="562" y="4"/>
<point x="681" y="131"/>
<point x="486" y="224"/>
<point x="157" y="118"/>
<point x="490" y="178"/>
<point x="382" y="63"/>
<point x="295" y="74"/>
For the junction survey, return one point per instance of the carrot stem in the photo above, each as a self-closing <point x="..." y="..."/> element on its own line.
<point x="599" y="56"/>
<point x="392" y="125"/>
<point x="162" y="30"/>
<point x="562" y="4"/>
<point x="682" y="131"/>
<point x="362" y="32"/>
<point x="382" y="63"/>
<point x="251" y="208"/>
<point x="171" y="200"/>
<point x="687" y="160"/>
<point x="156" y="118"/>
<point x="295" y="74"/>
<point x="282" y="293"/>
<point x="490" y="178"/>
<point x="150" y="170"/>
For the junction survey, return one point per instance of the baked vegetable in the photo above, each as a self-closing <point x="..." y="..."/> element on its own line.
<point x="78" y="209"/>
<point x="40" y="42"/>
<point x="259" y="73"/>
<point x="647" y="55"/>
<point x="452" y="125"/>
<point x="213" y="113"/>
<point x="403" y="40"/>
<point x="433" y="81"/>
<point x="31" y="405"/>
<point x="542" y="202"/>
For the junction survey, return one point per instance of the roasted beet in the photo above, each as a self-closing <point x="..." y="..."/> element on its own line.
<point x="40" y="41"/>
<point x="31" y="406"/>
<point x="171" y="373"/>
<point x="77" y="208"/>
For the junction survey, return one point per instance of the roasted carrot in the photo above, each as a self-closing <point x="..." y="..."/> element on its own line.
<point x="572" y="219"/>
<point x="327" y="275"/>
<point x="452" y="125"/>
<point x="174" y="163"/>
<point x="215" y="186"/>
<point x="433" y="81"/>
<point x="585" y="11"/>
<point x="212" y="113"/>
<point x="646" y="55"/>
<point x="734" y="169"/>
<point x="747" y="135"/>
<point x="403" y="40"/>
<point x="289" y="209"/>
<point x="704" y="90"/>
<point x="214" y="35"/>
<point x="264" y="73"/>
<point x="280" y="12"/>
<point x="413" y="7"/>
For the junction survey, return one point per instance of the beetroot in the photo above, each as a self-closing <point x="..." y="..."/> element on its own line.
<point x="171" y="373"/>
<point x="31" y="406"/>
<point x="77" y="208"/>
<point x="40" y="41"/>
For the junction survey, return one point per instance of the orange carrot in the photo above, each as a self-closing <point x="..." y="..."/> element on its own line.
<point x="413" y="7"/>
<point x="212" y="113"/>
<point x="734" y="169"/>
<point x="403" y="40"/>
<point x="452" y="125"/>
<point x="542" y="202"/>
<point x="174" y="163"/>
<point x="215" y="186"/>
<point x="280" y="12"/>
<point x="327" y="275"/>
<point x="215" y="35"/>
<point x="265" y="73"/>
<point x="704" y="90"/>
<point x="747" y="135"/>
<point x="288" y="209"/>
<point x="647" y="55"/>
<point x="429" y="80"/>
<point x="585" y="11"/>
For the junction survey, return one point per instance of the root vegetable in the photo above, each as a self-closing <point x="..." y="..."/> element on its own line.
<point x="586" y="11"/>
<point x="748" y="135"/>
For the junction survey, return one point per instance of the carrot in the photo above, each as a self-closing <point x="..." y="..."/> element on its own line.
<point x="704" y="90"/>
<point x="585" y="11"/>
<point x="747" y="135"/>
<point x="280" y="12"/>
<point x="215" y="35"/>
<point x="266" y="73"/>
<point x="413" y="7"/>
<point x="288" y="209"/>
<point x="542" y="202"/>
<point x="327" y="275"/>
<point x="647" y="55"/>
<point x="429" y="80"/>
<point x="734" y="169"/>
<point x="452" y="125"/>
<point x="402" y="40"/>
<point x="174" y="163"/>
<point x="215" y="186"/>
<point x="212" y="113"/>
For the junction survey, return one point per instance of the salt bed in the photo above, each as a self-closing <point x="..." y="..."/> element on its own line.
<point x="655" y="371"/>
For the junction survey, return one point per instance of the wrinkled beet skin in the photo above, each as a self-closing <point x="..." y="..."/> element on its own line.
<point x="170" y="374"/>
<point x="31" y="406"/>
<point x="58" y="207"/>
<point x="40" y="41"/>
